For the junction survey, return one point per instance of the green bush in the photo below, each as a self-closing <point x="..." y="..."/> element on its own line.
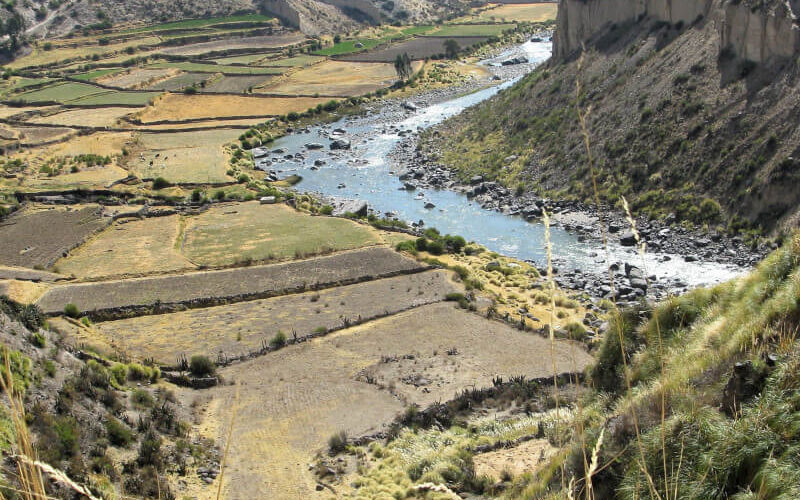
<point x="278" y="341"/>
<point x="326" y="210"/>
<point x="142" y="399"/>
<point x="118" y="433"/>
<point x="406" y="246"/>
<point x="119" y="374"/>
<point x="71" y="310"/>
<point x="160" y="183"/>
<point x="137" y="372"/>
<point x="201" y="366"/>
<point x="38" y="340"/>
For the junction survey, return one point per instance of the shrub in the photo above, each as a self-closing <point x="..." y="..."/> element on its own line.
<point x="338" y="442"/>
<point x="142" y="399"/>
<point x="278" y="341"/>
<point x="38" y="340"/>
<point x="435" y="247"/>
<point x="406" y="246"/>
<point x="49" y="368"/>
<point x="219" y="195"/>
<point x="197" y="195"/>
<point x="118" y="433"/>
<point x="160" y="183"/>
<point x="137" y="372"/>
<point x="119" y="374"/>
<point x="421" y="244"/>
<point x="326" y="210"/>
<point x="71" y="310"/>
<point x="150" y="450"/>
<point x="576" y="331"/>
<point x="201" y="366"/>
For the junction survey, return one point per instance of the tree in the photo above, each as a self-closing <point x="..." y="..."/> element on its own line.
<point x="337" y="38"/>
<point x="402" y="65"/>
<point x="451" y="48"/>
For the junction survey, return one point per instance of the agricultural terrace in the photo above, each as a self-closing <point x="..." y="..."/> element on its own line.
<point x="129" y="247"/>
<point x="38" y="235"/>
<point x="244" y="327"/>
<point x="183" y="157"/>
<point x="417" y="48"/>
<point x="520" y="12"/>
<point x="338" y="78"/>
<point x="181" y="108"/>
<point x="293" y="400"/>
<point x="253" y="42"/>
<point x="229" y="233"/>
<point x="211" y="287"/>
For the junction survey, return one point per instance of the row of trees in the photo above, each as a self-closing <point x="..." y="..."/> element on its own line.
<point x="402" y="63"/>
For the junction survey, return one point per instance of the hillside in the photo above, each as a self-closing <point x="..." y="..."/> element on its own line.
<point x="692" y="111"/>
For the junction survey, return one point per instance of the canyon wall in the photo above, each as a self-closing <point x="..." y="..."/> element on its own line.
<point x="763" y="33"/>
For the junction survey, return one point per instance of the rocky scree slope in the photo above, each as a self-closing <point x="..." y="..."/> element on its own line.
<point x="693" y="110"/>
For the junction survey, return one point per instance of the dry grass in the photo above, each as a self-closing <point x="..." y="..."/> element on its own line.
<point x="90" y="178"/>
<point x="232" y="232"/>
<point x="136" y="78"/>
<point x="139" y="247"/>
<point x="176" y="107"/>
<point x="528" y="457"/>
<point x="337" y="78"/>
<point x="23" y="292"/>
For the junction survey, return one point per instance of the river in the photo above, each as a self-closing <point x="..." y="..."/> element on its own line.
<point x="365" y="172"/>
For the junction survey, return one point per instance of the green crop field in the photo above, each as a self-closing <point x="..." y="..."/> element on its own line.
<point x="471" y="29"/>
<point x="293" y="62"/>
<point x="217" y="68"/>
<point x="98" y="73"/>
<point x="114" y="98"/>
<point x="200" y="23"/>
<point x="63" y="92"/>
<point x="246" y="59"/>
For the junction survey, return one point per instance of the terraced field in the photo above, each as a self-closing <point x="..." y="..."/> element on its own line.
<point x="254" y="42"/>
<point x="38" y="236"/>
<point x="100" y="117"/>
<point x="226" y="285"/>
<point x="174" y="107"/>
<point x="290" y="402"/>
<point x="337" y="78"/>
<point x="143" y="246"/>
<point x="417" y="48"/>
<point x="228" y="233"/>
<point x="243" y="327"/>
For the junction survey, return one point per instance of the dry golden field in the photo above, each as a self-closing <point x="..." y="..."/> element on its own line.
<point x="181" y="157"/>
<point x="178" y="107"/>
<point x="524" y="12"/>
<point x="243" y="327"/>
<point x="228" y="284"/>
<point x="40" y="57"/>
<point x="292" y="400"/>
<point x="337" y="78"/>
<point x="232" y="232"/>
<point x="95" y="117"/>
<point x="135" y="247"/>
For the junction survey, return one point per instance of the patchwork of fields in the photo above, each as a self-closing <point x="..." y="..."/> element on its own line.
<point x="139" y="231"/>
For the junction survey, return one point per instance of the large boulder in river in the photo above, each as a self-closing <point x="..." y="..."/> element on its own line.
<point x="410" y="106"/>
<point x="356" y="207"/>
<point x="314" y="145"/>
<point x="340" y="144"/>
<point x="628" y="239"/>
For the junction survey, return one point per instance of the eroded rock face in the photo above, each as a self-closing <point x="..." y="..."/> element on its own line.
<point x="765" y="34"/>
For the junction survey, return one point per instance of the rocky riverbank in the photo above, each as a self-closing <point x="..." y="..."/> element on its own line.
<point x="668" y="239"/>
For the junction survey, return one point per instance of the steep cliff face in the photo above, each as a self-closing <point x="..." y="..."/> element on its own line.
<point x="761" y="32"/>
<point x="694" y="108"/>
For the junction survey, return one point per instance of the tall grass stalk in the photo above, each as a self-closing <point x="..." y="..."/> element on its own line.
<point x="551" y="287"/>
<point x="30" y="475"/>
